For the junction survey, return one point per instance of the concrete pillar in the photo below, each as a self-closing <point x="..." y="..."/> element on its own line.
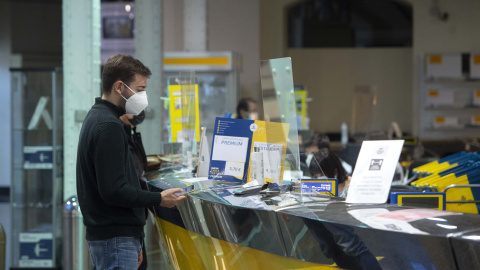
<point x="5" y="125"/>
<point x="195" y="32"/>
<point x="81" y="80"/>
<point x="149" y="50"/>
<point x="5" y="51"/>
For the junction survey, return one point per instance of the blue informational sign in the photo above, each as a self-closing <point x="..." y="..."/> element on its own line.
<point x="324" y="186"/>
<point x="433" y="200"/>
<point x="37" y="157"/>
<point x="36" y="250"/>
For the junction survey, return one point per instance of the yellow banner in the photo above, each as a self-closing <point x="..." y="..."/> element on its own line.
<point x="182" y="115"/>
<point x="301" y="102"/>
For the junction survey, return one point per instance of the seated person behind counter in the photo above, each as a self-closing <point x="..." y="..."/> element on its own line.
<point x="326" y="164"/>
<point x="316" y="142"/>
<point x="319" y="141"/>
<point x="247" y="109"/>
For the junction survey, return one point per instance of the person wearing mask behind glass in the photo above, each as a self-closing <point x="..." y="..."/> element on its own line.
<point x="326" y="164"/>
<point x="109" y="193"/>
<point x="135" y="144"/>
<point x="317" y="142"/>
<point x="247" y="109"/>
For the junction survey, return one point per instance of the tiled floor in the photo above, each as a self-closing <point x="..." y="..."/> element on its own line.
<point x="5" y="221"/>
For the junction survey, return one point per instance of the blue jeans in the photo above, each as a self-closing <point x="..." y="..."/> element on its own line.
<point x="115" y="253"/>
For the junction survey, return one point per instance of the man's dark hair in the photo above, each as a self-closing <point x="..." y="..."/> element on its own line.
<point x="326" y="163"/>
<point x="319" y="140"/>
<point x="123" y="68"/>
<point x="243" y="105"/>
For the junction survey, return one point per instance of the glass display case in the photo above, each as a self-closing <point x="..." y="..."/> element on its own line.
<point x="216" y="76"/>
<point x="183" y="118"/>
<point x="36" y="187"/>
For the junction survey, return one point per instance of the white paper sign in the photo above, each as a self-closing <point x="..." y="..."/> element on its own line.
<point x="230" y="148"/>
<point x="374" y="170"/>
<point x="272" y="155"/>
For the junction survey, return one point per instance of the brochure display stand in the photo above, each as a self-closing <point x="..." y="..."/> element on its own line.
<point x="276" y="138"/>
<point x="235" y="139"/>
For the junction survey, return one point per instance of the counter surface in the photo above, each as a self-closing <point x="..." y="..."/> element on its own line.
<point x="330" y="232"/>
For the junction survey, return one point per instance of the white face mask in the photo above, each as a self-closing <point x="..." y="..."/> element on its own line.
<point x="136" y="103"/>
<point x="309" y="159"/>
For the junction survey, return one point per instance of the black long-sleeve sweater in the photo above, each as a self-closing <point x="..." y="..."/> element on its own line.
<point x="111" y="199"/>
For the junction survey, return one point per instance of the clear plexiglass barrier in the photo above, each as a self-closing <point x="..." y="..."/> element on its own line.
<point x="189" y="107"/>
<point x="183" y="122"/>
<point x="279" y="107"/>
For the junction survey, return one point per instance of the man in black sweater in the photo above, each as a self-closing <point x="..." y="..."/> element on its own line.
<point x="110" y="196"/>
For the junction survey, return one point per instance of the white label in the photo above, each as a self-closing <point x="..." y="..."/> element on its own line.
<point x="440" y="97"/>
<point x="475" y="65"/>
<point x="475" y="120"/>
<point x="445" y="121"/>
<point x="234" y="168"/>
<point x="444" y="66"/>
<point x="476" y="98"/>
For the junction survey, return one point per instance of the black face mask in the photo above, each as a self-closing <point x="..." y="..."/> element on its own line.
<point x="137" y="119"/>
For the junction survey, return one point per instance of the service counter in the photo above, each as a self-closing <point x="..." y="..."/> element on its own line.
<point x="214" y="229"/>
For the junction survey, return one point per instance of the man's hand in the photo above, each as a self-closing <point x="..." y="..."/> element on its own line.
<point x="140" y="258"/>
<point x="169" y="199"/>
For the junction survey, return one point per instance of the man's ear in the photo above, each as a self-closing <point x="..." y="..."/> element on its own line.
<point x="118" y="86"/>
